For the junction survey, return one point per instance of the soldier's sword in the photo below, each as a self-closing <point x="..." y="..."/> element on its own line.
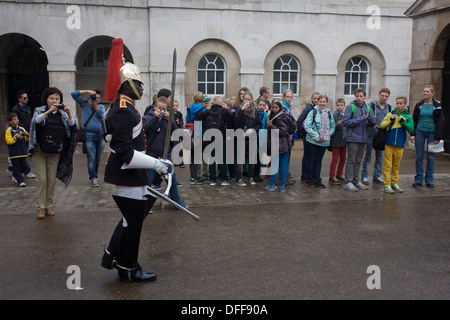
<point x="169" y="123"/>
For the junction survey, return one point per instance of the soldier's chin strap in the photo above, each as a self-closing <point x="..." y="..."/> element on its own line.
<point x="133" y="87"/>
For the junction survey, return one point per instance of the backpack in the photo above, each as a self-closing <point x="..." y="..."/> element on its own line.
<point x="291" y="124"/>
<point x="190" y="123"/>
<point x="354" y="108"/>
<point x="301" y="126"/>
<point x="213" y="120"/>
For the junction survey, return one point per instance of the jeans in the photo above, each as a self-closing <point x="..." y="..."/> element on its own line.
<point x="314" y="156"/>
<point x="378" y="166"/>
<point x="283" y="166"/>
<point x="94" y="145"/>
<point x="422" y="139"/>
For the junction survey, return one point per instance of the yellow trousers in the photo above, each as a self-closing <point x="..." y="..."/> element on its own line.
<point x="392" y="157"/>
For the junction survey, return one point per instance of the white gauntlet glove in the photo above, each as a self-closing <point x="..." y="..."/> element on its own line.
<point x="142" y="161"/>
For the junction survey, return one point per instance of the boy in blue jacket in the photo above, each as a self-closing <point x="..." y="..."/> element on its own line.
<point x="357" y="118"/>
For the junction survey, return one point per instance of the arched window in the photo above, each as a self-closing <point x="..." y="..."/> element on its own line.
<point x="286" y="75"/>
<point x="211" y="75"/>
<point x="356" y="75"/>
<point x="97" y="58"/>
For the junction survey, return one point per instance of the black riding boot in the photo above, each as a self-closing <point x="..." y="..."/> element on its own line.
<point x="134" y="212"/>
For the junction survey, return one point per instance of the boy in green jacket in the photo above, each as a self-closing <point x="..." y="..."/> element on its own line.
<point x="401" y="122"/>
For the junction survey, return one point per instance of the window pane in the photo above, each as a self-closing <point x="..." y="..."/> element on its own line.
<point x="347" y="77"/>
<point x="276" y="76"/>
<point x="201" y="87"/>
<point x="220" y="88"/>
<point x="284" y="76"/>
<point x="347" y="90"/>
<point x="210" y="88"/>
<point x="210" y="76"/>
<point x="202" y="63"/>
<point x="294" y="88"/>
<point x="293" y="76"/>
<point x="276" y="88"/>
<point x="201" y="75"/>
<point x="219" y="76"/>
<point x="355" y="77"/>
<point x="363" y="78"/>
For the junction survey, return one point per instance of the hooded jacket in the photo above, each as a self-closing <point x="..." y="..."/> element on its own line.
<point x="403" y="123"/>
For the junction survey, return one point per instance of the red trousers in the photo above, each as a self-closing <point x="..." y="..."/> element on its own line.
<point x="339" y="157"/>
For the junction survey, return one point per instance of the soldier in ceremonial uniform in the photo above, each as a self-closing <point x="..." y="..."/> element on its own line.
<point x="126" y="167"/>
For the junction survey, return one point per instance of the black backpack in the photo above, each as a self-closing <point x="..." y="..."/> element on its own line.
<point x="213" y="120"/>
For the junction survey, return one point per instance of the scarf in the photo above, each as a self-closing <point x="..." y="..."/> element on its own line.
<point x="324" y="126"/>
<point x="250" y="111"/>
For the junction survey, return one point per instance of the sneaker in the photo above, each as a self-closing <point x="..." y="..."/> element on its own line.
<point x="365" y="181"/>
<point x="378" y="180"/>
<point x="252" y="182"/>
<point x="303" y="177"/>
<point x="281" y="188"/>
<point x="340" y="178"/>
<point x="334" y="180"/>
<point x="310" y="183"/>
<point x="22" y="184"/>
<point x="184" y="205"/>
<point x="94" y="182"/>
<point x="361" y="186"/>
<point x="241" y="183"/>
<point x="319" y="184"/>
<point x="192" y="180"/>
<point x="225" y="183"/>
<point x="350" y="187"/>
<point x="396" y="188"/>
<point x="430" y="185"/>
<point x="270" y="187"/>
<point x="14" y="180"/>
<point x="30" y="175"/>
<point x="212" y="183"/>
<point x="179" y="184"/>
<point x="388" y="189"/>
<point x="258" y="179"/>
<point x="417" y="184"/>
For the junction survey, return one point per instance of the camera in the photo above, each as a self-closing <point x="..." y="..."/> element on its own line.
<point x="60" y="106"/>
<point x="247" y="101"/>
<point x="93" y="97"/>
<point x="162" y="111"/>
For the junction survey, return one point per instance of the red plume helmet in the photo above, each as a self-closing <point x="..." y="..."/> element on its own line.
<point x="114" y="65"/>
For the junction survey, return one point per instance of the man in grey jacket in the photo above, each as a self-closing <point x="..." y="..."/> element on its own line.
<point x="358" y="117"/>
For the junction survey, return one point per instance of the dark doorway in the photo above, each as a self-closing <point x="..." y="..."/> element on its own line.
<point x="26" y="65"/>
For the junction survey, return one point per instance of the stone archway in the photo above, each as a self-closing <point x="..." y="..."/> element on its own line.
<point x="23" y="66"/>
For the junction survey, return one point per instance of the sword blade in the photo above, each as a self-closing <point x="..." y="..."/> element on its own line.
<point x="165" y="198"/>
<point x="169" y="123"/>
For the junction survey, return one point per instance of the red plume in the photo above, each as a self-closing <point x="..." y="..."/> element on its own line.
<point x="114" y="65"/>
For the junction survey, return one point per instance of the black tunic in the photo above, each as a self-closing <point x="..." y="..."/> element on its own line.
<point x="125" y="126"/>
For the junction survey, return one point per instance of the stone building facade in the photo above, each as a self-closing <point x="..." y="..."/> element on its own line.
<point x="328" y="46"/>
<point x="430" y="58"/>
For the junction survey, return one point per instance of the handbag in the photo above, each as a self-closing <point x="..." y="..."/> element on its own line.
<point x="81" y="134"/>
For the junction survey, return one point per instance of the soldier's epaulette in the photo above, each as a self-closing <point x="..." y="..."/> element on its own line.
<point x="124" y="100"/>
